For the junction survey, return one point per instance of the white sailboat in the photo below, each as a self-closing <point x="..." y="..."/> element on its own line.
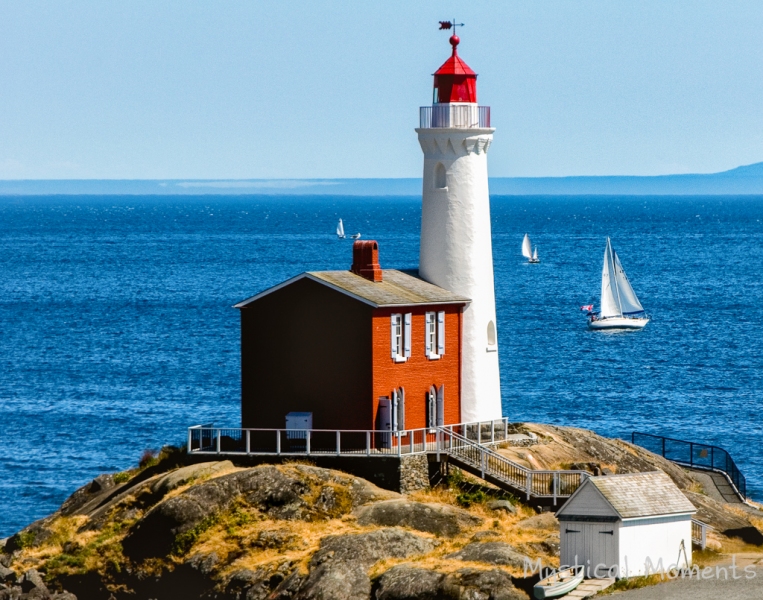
<point x="527" y="252"/>
<point x="620" y="307"/>
<point x="340" y="230"/>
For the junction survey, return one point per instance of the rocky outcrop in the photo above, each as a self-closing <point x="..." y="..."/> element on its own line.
<point x="494" y="553"/>
<point x="297" y="492"/>
<point x="408" y="583"/>
<point x="438" y="519"/>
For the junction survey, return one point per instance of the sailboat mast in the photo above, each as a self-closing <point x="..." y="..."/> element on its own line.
<point x="613" y="263"/>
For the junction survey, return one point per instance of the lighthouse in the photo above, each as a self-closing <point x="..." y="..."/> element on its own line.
<point x="456" y="248"/>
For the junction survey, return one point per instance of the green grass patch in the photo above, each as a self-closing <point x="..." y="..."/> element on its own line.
<point x="122" y="477"/>
<point x="186" y="540"/>
<point x="634" y="583"/>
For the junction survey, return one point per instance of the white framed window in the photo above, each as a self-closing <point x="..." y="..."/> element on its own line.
<point x="435" y="334"/>
<point x="400" y="336"/>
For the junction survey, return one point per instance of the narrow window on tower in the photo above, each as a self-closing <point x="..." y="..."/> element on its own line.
<point x="491" y="337"/>
<point x="440" y="177"/>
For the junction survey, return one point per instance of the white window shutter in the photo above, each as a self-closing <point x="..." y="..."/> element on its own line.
<point x="401" y="409"/>
<point x="395" y="408"/>
<point x="407" y="335"/>
<point x="441" y="405"/>
<point x="441" y="333"/>
<point x="426" y="334"/>
<point x="393" y="340"/>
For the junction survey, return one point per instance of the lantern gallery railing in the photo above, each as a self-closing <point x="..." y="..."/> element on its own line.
<point x="459" y="116"/>
<point x="696" y="456"/>
<point x="206" y="439"/>
<point x="498" y="469"/>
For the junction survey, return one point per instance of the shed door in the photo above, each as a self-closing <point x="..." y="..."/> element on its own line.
<point x="589" y="544"/>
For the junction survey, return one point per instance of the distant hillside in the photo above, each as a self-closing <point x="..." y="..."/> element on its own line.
<point x="745" y="180"/>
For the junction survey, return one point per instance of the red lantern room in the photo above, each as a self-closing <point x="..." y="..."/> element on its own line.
<point x="454" y="81"/>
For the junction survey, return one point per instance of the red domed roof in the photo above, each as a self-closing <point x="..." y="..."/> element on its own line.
<point x="454" y="81"/>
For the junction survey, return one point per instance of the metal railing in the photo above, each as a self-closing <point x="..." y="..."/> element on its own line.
<point x="205" y="439"/>
<point x="696" y="456"/>
<point x="537" y="484"/>
<point x="460" y="116"/>
<point x="699" y="533"/>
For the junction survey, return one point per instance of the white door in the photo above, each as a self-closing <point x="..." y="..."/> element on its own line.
<point x="590" y="544"/>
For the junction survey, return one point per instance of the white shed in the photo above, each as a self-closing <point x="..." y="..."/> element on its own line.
<point x="626" y="525"/>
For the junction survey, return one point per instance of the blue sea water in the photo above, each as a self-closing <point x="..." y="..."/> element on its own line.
<point x="117" y="332"/>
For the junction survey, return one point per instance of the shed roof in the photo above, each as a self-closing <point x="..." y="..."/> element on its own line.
<point x="635" y="495"/>
<point x="397" y="288"/>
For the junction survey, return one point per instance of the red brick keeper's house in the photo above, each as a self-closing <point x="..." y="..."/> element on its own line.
<point x="360" y="349"/>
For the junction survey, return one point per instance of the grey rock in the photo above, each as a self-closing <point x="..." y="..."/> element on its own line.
<point x="86" y="494"/>
<point x="366" y="549"/>
<point x="10" y="593"/>
<point x="339" y="569"/>
<point x="474" y="584"/>
<point x="174" y="479"/>
<point x="278" y="539"/>
<point x="203" y="563"/>
<point x="286" y="590"/>
<point x="432" y="518"/>
<point x="494" y="553"/>
<point x="240" y="581"/>
<point x="544" y="522"/>
<point x="35" y="594"/>
<point x="503" y="505"/>
<point x="483" y="536"/>
<point x="408" y="583"/>
<point x="64" y="596"/>
<point x="7" y="575"/>
<point x="30" y="580"/>
<point x="336" y="581"/>
<point x="281" y="493"/>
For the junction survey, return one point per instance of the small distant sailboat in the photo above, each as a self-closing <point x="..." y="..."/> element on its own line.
<point x="532" y="257"/>
<point x="340" y="232"/>
<point x="620" y="307"/>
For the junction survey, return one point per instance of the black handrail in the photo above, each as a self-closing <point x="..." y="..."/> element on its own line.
<point x="695" y="455"/>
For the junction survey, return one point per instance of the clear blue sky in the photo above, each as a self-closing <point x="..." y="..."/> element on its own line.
<point x="286" y="89"/>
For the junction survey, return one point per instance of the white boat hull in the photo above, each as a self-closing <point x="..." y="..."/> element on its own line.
<point x="618" y="323"/>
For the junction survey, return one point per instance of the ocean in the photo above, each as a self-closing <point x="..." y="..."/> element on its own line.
<point x="117" y="328"/>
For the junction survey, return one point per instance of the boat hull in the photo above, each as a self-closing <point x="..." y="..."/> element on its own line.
<point x="618" y="323"/>
<point x="559" y="584"/>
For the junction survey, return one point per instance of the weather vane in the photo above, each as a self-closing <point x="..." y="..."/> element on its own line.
<point x="449" y="25"/>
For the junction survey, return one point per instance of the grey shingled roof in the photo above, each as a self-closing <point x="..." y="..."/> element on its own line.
<point x="643" y="494"/>
<point x="397" y="288"/>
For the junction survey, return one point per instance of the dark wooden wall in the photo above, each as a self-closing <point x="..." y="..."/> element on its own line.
<point x="306" y="348"/>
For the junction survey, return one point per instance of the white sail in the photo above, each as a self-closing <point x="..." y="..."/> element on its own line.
<point x="526" y="247"/>
<point x="340" y="229"/>
<point x="535" y="254"/>
<point x="629" y="303"/>
<point x="610" y="303"/>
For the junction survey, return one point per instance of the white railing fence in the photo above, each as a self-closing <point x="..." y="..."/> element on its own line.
<point x="533" y="483"/>
<point x="206" y="439"/>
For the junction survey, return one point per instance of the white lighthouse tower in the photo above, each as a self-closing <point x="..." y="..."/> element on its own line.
<point x="456" y="249"/>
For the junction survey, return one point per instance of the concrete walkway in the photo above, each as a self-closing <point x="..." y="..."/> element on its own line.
<point x="749" y="586"/>
<point x="716" y="486"/>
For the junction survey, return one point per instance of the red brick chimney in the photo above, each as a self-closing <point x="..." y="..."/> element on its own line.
<point x="365" y="260"/>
